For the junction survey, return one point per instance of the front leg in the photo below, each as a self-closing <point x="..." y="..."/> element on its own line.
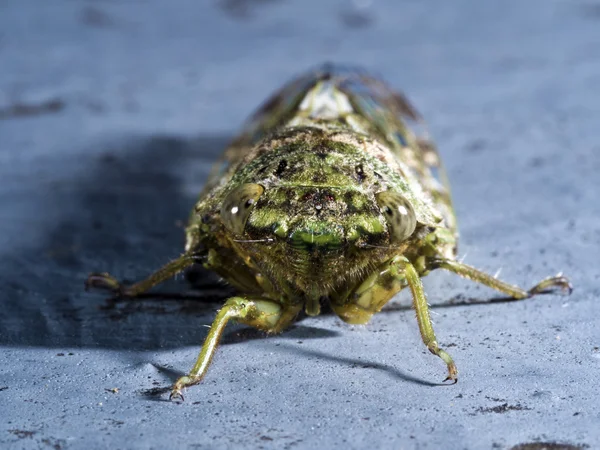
<point x="108" y="282"/>
<point x="371" y="295"/>
<point x="266" y="315"/>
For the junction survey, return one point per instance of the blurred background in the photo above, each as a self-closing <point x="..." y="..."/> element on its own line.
<point x="111" y="114"/>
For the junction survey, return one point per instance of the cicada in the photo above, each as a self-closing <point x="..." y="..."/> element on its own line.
<point x="332" y="194"/>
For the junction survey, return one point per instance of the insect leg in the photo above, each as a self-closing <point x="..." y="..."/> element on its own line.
<point x="373" y="293"/>
<point x="266" y="315"/>
<point x="424" y="320"/>
<point x="169" y="270"/>
<point x="359" y="305"/>
<point x="550" y="285"/>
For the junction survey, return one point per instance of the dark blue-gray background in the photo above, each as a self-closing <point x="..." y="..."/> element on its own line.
<point x="111" y="113"/>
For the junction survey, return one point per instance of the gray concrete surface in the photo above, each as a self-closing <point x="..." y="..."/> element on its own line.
<point x="110" y="115"/>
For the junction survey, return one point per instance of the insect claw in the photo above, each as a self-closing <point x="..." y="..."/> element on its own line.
<point x="176" y="395"/>
<point x="567" y="289"/>
<point x="102" y="281"/>
<point x="553" y="285"/>
<point x="450" y="378"/>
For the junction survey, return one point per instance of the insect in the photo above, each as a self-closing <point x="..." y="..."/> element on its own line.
<point x="328" y="195"/>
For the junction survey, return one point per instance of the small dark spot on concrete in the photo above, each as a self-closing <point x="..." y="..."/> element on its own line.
<point x="356" y="18"/>
<point x="24" y="110"/>
<point x="548" y="446"/>
<point x="22" y="434"/>
<point x="95" y="17"/>
<point x="503" y="408"/>
<point x="56" y="444"/>
<point x="115" y="422"/>
<point x="3" y="388"/>
<point x="242" y="9"/>
<point x="60" y="354"/>
<point x="476" y="145"/>
<point x="266" y="438"/>
<point x="540" y="394"/>
<point x="536" y="162"/>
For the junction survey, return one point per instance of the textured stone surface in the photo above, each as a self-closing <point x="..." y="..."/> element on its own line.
<point x="110" y="115"/>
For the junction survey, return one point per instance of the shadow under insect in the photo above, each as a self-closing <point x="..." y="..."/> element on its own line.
<point x="121" y="210"/>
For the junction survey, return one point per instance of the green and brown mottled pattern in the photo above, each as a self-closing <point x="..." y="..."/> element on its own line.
<point x="318" y="210"/>
<point x="329" y="195"/>
<point x="374" y="110"/>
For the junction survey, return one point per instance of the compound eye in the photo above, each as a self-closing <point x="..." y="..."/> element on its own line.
<point x="237" y="206"/>
<point x="398" y="213"/>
